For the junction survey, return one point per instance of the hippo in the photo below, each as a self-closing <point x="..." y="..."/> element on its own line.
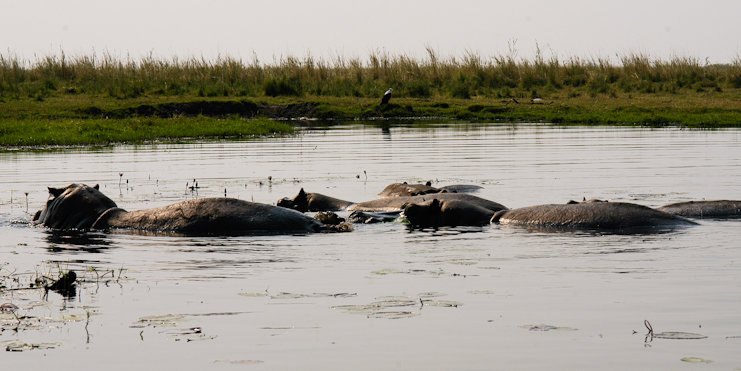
<point x="78" y="206"/>
<point x="404" y="189"/>
<point x="304" y="202"/>
<point x="704" y="209"/>
<point x="590" y="215"/>
<point x="397" y="203"/>
<point x="452" y="213"/>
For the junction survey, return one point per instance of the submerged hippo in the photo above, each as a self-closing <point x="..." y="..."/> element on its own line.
<point x="404" y="189"/>
<point x="436" y="213"/>
<point x="705" y="209"/>
<point x="78" y="206"/>
<point x="590" y="215"/>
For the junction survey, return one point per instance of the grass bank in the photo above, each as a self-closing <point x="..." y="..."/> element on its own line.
<point x="91" y="99"/>
<point x="100" y="131"/>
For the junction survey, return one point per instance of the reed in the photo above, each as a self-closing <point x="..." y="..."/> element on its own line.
<point x="470" y="75"/>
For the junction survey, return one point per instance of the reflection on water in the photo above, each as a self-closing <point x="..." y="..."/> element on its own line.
<point x="67" y="241"/>
<point x="495" y="279"/>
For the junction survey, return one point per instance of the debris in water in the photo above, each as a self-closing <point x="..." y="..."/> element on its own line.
<point x="696" y="360"/>
<point x="239" y="362"/>
<point x="547" y="328"/>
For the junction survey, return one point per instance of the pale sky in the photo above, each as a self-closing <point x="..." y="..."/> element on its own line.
<point x="271" y="29"/>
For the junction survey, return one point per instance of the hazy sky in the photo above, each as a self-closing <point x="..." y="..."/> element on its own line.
<point x="326" y="28"/>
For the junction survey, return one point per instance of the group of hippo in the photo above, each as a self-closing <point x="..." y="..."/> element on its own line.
<point x="81" y="207"/>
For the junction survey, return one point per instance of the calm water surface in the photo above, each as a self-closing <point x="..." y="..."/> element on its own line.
<point x="382" y="297"/>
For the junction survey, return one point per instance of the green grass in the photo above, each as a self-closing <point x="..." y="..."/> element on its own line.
<point x="68" y="132"/>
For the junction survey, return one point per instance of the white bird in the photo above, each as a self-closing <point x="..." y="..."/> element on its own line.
<point x="386" y="96"/>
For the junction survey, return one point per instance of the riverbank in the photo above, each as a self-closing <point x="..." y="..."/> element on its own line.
<point x="93" y="120"/>
<point x="94" y="100"/>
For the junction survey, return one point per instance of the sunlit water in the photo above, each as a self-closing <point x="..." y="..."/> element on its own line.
<point x="383" y="297"/>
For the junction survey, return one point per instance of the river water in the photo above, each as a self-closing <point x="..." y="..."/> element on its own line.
<point x="383" y="296"/>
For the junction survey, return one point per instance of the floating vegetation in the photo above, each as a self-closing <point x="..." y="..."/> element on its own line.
<point x="679" y="335"/>
<point x="21" y="310"/>
<point x="392" y="315"/>
<point x="670" y="335"/>
<point x="239" y="362"/>
<point x="386" y="271"/>
<point x="547" y="328"/>
<point x="188" y="334"/>
<point x="383" y="272"/>
<point x="441" y="303"/>
<point x="432" y="294"/>
<point x="67" y="318"/>
<point x="253" y="294"/>
<point x="288" y="295"/>
<point x="19" y="346"/>
<point x="166" y="320"/>
<point x="380" y="307"/>
<point x="481" y="292"/>
<point x="8" y="307"/>
<point x="696" y="360"/>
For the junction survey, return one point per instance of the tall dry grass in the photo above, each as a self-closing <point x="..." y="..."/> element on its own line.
<point x="434" y="75"/>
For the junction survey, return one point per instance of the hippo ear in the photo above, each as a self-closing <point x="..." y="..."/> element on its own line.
<point x="301" y="196"/>
<point x="571" y="202"/>
<point x="497" y="216"/>
<point x="97" y="186"/>
<point x="55" y="191"/>
<point x="301" y="202"/>
<point x="435" y="205"/>
<point x="429" y="183"/>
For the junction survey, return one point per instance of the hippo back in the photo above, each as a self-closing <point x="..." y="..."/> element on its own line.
<point x="212" y="216"/>
<point x="404" y="189"/>
<point x="705" y="209"/>
<point x="589" y="215"/>
<point x="75" y="206"/>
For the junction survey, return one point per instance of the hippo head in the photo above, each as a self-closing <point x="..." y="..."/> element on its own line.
<point x="298" y="203"/>
<point x="76" y="206"/>
<point x="427" y="214"/>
